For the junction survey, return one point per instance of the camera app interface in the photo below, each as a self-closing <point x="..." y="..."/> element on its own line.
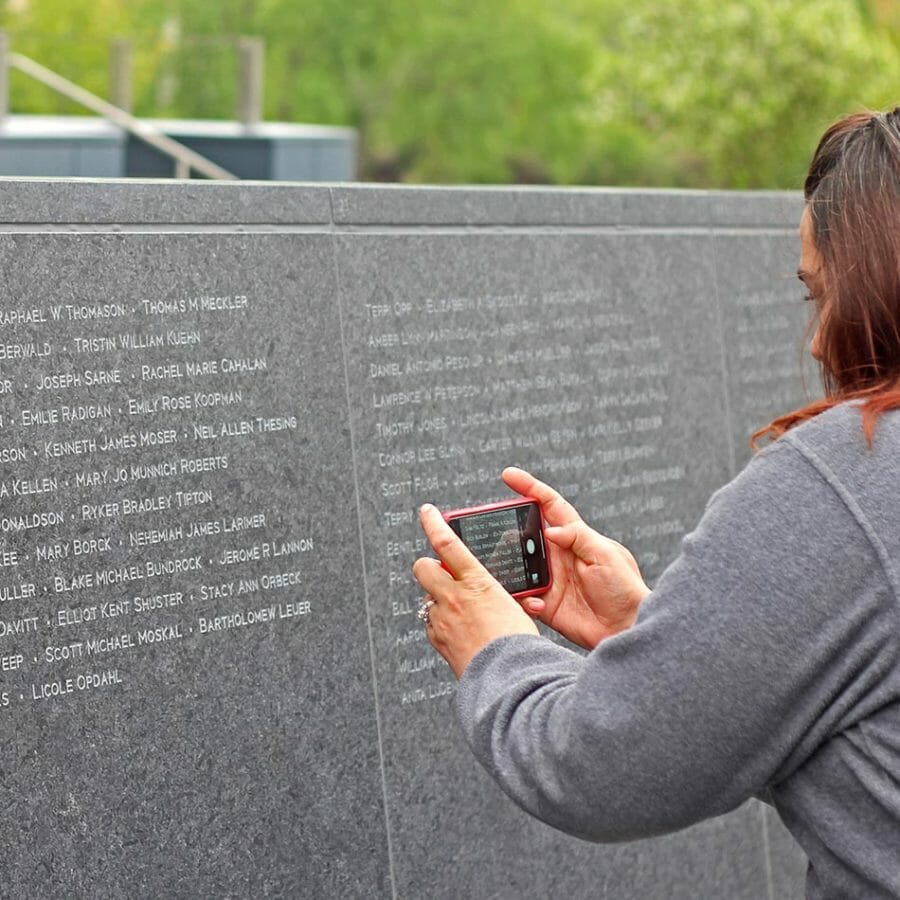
<point x="496" y="538"/>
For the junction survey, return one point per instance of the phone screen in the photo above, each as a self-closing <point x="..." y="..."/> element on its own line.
<point x="509" y="543"/>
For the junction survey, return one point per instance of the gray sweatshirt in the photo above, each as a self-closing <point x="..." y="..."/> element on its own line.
<point x="765" y="662"/>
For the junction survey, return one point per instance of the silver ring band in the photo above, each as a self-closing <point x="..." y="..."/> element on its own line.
<point x="424" y="612"/>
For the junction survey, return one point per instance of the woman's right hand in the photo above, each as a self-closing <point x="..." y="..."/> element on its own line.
<point x="597" y="586"/>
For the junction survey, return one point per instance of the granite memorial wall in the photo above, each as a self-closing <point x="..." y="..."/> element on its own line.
<point x="220" y="406"/>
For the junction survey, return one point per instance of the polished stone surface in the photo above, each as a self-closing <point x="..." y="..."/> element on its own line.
<point x="571" y="356"/>
<point x="363" y="205"/>
<point x="184" y="683"/>
<point x="308" y="365"/>
<point x="133" y="202"/>
<point x="764" y="322"/>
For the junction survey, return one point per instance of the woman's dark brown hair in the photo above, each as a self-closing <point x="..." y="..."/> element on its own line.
<point x="852" y="192"/>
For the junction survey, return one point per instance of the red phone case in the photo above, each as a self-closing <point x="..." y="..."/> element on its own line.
<point x="508" y="504"/>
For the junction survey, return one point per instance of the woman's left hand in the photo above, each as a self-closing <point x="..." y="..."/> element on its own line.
<point x="471" y="608"/>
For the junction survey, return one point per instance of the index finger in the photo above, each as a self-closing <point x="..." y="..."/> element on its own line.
<point x="557" y="510"/>
<point x="455" y="555"/>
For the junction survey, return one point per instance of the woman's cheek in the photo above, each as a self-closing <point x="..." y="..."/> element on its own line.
<point x="815" y="347"/>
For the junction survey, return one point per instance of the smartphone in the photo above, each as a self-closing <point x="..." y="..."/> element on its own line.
<point x="508" y="539"/>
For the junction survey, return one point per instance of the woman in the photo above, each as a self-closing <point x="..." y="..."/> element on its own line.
<point x="766" y="661"/>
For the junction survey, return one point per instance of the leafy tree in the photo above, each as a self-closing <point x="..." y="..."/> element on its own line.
<point x="735" y="94"/>
<point x="440" y="89"/>
<point x="699" y="93"/>
<point x="197" y="74"/>
<point x="74" y="40"/>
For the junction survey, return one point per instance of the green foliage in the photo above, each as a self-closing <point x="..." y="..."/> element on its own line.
<point x="73" y="39"/>
<point x="728" y="93"/>
<point x="736" y="94"/>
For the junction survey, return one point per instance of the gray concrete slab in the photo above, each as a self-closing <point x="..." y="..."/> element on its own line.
<point x="252" y="387"/>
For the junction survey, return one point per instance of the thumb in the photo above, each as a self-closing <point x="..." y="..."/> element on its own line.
<point x="577" y="537"/>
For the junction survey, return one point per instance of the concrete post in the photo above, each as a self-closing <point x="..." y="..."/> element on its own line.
<point x="251" y="55"/>
<point x="120" y="73"/>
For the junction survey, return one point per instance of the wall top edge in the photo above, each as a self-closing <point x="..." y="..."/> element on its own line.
<point x="26" y="126"/>
<point x="83" y="201"/>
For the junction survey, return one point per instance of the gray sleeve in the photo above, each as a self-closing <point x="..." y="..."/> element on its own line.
<point x="757" y="644"/>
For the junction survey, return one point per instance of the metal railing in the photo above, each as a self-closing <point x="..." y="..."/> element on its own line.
<point x="185" y="159"/>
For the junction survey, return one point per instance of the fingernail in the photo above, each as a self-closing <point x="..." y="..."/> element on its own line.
<point x="426" y="508"/>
